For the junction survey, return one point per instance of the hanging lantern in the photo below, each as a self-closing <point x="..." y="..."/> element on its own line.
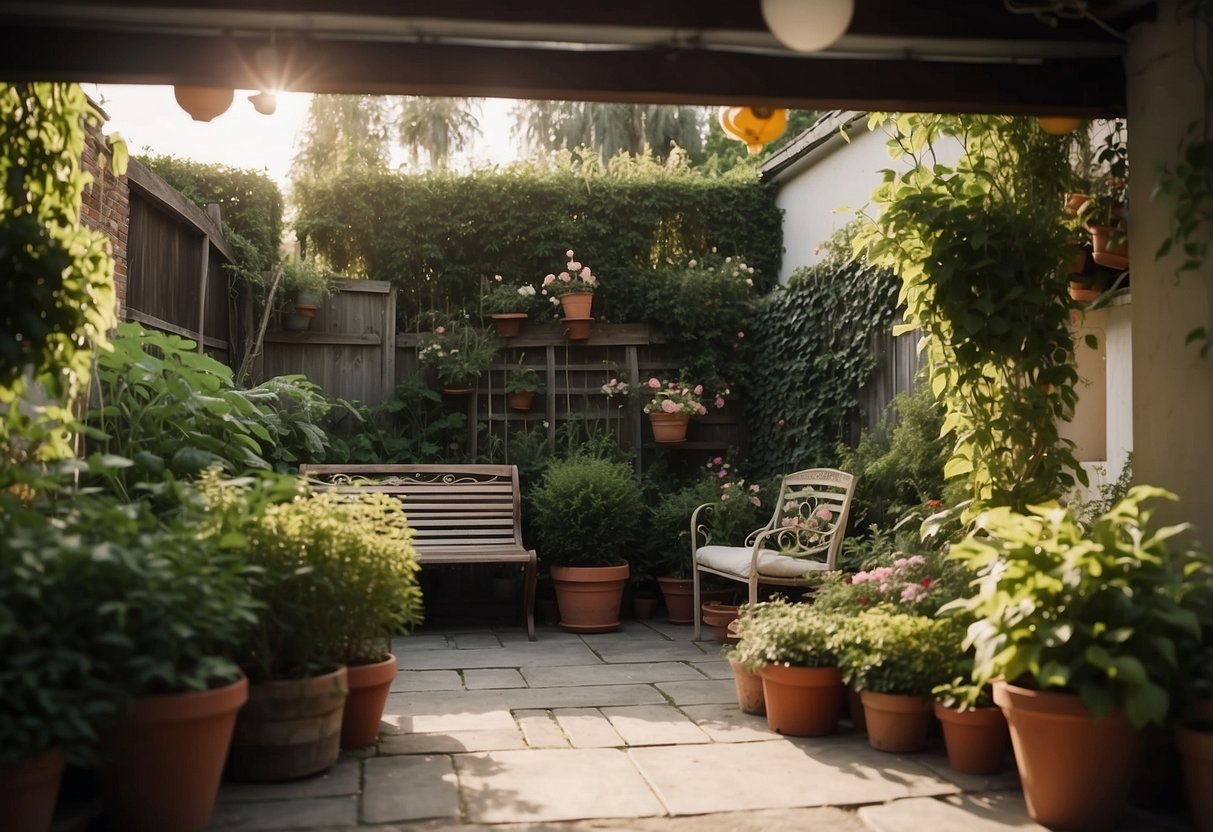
<point x="1058" y="125"/>
<point x="203" y="103"/>
<point x="808" y="25"/>
<point x="754" y="125"/>
<point x="264" y="102"/>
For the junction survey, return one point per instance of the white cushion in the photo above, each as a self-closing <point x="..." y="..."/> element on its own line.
<point x="735" y="560"/>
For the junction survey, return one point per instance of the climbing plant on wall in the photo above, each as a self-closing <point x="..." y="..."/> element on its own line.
<point x="809" y="357"/>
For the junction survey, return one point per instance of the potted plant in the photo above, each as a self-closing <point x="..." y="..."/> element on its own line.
<point x="507" y="305"/>
<point x="457" y="354"/>
<point x="306" y="285"/>
<point x="1194" y="731"/>
<point x="791" y="647"/>
<point x="521" y="385"/>
<point x="380" y="599"/>
<point x="1105" y="214"/>
<point x="895" y="660"/>
<point x="291" y="726"/>
<point x="669" y="548"/>
<point x="587" y="513"/>
<point x="671" y="408"/>
<point x="573" y="289"/>
<point x="974" y="728"/>
<point x="1081" y="634"/>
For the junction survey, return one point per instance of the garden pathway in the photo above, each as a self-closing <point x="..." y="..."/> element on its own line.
<point x="637" y="729"/>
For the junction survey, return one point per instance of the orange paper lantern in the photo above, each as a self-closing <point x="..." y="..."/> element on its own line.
<point x="1058" y="125"/>
<point x="754" y="125"/>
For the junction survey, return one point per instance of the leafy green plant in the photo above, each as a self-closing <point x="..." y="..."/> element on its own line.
<point x="169" y="409"/>
<point x="457" y="353"/>
<point x="587" y="512"/>
<point x="413" y="424"/>
<point x="305" y="276"/>
<point x="737" y="508"/>
<point x="1107" y="614"/>
<point x="898" y="653"/>
<point x="522" y="378"/>
<point x="667" y="541"/>
<point x="295" y="412"/>
<point x="777" y="632"/>
<point x="503" y="298"/>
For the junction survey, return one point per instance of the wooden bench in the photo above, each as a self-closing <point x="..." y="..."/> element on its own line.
<point x="459" y="513"/>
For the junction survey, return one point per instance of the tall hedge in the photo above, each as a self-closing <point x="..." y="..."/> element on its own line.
<point x="435" y="236"/>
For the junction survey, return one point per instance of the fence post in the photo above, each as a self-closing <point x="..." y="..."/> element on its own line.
<point x="389" y="344"/>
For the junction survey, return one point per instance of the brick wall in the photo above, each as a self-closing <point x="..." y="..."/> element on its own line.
<point x="106" y="205"/>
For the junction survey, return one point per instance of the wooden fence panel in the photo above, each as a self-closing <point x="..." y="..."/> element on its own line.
<point x="896" y="371"/>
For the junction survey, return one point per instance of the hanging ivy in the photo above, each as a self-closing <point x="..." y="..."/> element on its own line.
<point x="811" y="354"/>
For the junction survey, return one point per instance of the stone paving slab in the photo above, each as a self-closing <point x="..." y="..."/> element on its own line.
<point x="649" y="651"/>
<point x="719" y="777"/>
<point x="423" y="680"/>
<point x="452" y="743"/>
<point x="654" y="725"/>
<point x="676" y="632"/>
<point x="420" y="641"/>
<point x="552" y="785"/>
<point x="609" y="674"/>
<point x="479" y="701"/>
<point x="452" y="720"/>
<point x="341" y="779"/>
<point x="964" y="813"/>
<point x="703" y="692"/>
<point x="522" y="654"/>
<point x="540" y="730"/>
<point x="493" y="678"/>
<point x="717" y="669"/>
<point x="726" y="723"/>
<point x="310" y="813"/>
<point x="936" y="759"/>
<point x="588" y="728"/>
<point x="409" y="788"/>
<point x="475" y="641"/>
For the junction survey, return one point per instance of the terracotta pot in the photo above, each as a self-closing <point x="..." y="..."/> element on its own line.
<point x="679" y="595"/>
<point x="589" y="596"/>
<point x="669" y="428"/>
<point x="976" y="739"/>
<point x="369" y="686"/>
<point x="896" y="723"/>
<point x="718" y="616"/>
<point x="294" y="322"/>
<point x="802" y="701"/>
<point x="1196" y="752"/>
<point x="509" y="324"/>
<point x="459" y="390"/>
<point x="1074" y="203"/>
<point x="577" y="304"/>
<point x="1084" y="293"/>
<point x="643" y="607"/>
<point x="289" y="728"/>
<point x="1075" y="770"/>
<point x="521" y="401"/>
<point x="578" y="329"/>
<point x="28" y="790"/>
<point x="1104" y="252"/>
<point x="163" y="764"/>
<point x="858" y="719"/>
<point x="749" y="690"/>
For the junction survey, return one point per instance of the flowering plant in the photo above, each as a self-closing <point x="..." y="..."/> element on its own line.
<point x="577" y="278"/>
<point x="671" y="397"/>
<point x="458" y="354"/>
<point x="505" y="298"/>
<point x="738" y="511"/>
<point x="914" y="584"/>
<point x="615" y="387"/>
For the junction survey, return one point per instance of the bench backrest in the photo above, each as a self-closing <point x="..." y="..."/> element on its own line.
<point x="451" y="508"/>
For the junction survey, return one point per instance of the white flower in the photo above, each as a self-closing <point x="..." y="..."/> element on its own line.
<point x="574" y="266"/>
<point x="555" y="301"/>
<point x="568" y="254"/>
<point x="526" y="290"/>
<point x="692" y="264"/>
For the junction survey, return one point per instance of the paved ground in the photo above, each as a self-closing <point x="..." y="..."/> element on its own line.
<point x="637" y="729"/>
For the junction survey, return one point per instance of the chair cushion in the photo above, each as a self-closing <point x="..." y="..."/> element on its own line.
<point x="735" y="560"/>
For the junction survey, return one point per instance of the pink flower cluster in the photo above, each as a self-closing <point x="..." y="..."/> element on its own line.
<point x="734" y="489"/>
<point x="675" y="397"/>
<point x="899" y="582"/>
<point x="615" y="387"/>
<point x="576" y="278"/>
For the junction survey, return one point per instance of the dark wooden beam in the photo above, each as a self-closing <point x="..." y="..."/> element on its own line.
<point x="1086" y="87"/>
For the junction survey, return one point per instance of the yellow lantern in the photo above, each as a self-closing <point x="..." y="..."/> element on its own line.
<point x="203" y="103"/>
<point x="754" y="125"/>
<point x="1058" y="125"/>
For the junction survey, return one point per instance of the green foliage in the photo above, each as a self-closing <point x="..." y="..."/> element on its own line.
<point x="776" y="632"/>
<point x="979" y="249"/>
<point x="305" y="276"/>
<point x="810" y="356"/>
<point x="900" y="463"/>
<point x="251" y="203"/>
<point x="413" y="424"/>
<point x="667" y="539"/>
<point x="457" y="353"/>
<point x="1111" y="615"/>
<point x="343" y="133"/>
<point x="436" y="236"/>
<point x="294" y="412"/>
<point x="587" y="512"/>
<point x="737" y="508"/>
<point x="523" y="379"/>
<point x="57" y="293"/>
<point x="503" y="298"/>
<point x="898" y="653"/>
<point x="169" y="409"/>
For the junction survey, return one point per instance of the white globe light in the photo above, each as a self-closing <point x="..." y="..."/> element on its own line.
<point x="807" y="25"/>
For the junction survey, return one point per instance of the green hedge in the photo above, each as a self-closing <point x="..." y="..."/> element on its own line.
<point x="436" y="236"/>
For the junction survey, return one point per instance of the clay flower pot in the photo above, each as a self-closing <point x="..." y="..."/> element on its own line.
<point x="28" y="789"/>
<point x="1075" y="769"/>
<point x="802" y="701"/>
<point x="522" y="401"/>
<point x="577" y="304"/>
<point x="858" y="719"/>
<point x="749" y="690"/>
<point x="369" y="686"/>
<point x="1196" y="752"/>
<point x="976" y="739"/>
<point x="679" y="595"/>
<point x="718" y="616"/>
<point x="578" y="328"/>
<point x="669" y="428"/>
<point x="589" y="596"/>
<point x="509" y="324"/>
<point x="1104" y="251"/>
<point x="643" y="607"/>
<point x="163" y="764"/>
<point x="896" y="723"/>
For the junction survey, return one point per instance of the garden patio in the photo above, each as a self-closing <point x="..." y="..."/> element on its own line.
<point x="638" y="729"/>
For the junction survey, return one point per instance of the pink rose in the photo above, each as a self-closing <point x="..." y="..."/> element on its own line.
<point x="781" y="422"/>
<point x="574" y="266"/>
<point x="717" y="461"/>
<point x="440" y="330"/>
<point x="585" y="273"/>
<point x="740" y="334"/>
<point x="724" y="497"/>
<point x="700" y="409"/>
<point x="721" y="474"/>
<point x="756" y="501"/>
<point x="565" y="277"/>
<point x="547" y="280"/>
<point x="669" y="406"/>
<point x="719" y="402"/>
<point x="698" y="389"/>
<point x="654" y="383"/>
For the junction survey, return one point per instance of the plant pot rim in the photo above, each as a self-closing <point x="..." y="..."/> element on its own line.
<point x="190" y="704"/>
<point x="576" y="320"/>
<point x="1059" y="703"/>
<point x="372" y="674"/>
<point x="887" y="700"/>
<point x="590" y="573"/>
<point x="509" y="316"/>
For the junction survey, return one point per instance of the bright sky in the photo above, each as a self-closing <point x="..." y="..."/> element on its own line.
<point x="151" y="122"/>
